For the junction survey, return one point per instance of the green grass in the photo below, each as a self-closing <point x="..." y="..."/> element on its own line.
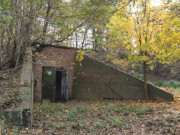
<point x="99" y="125"/>
<point x="112" y="107"/>
<point x="95" y="116"/>
<point x="62" y="116"/>
<point x="126" y="109"/>
<point x="175" y="89"/>
<point x="81" y="108"/>
<point x="178" y="118"/>
<point x="142" y="111"/>
<point x="116" y="120"/>
<point x="74" y="116"/>
<point x="169" y="118"/>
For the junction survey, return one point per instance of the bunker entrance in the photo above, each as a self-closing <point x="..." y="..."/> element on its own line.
<point x="54" y="85"/>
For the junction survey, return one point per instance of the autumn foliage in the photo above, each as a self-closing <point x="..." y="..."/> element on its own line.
<point x="149" y="34"/>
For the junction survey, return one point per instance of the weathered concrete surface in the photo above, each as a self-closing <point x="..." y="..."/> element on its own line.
<point x="95" y="79"/>
<point x="16" y="116"/>
<point x="23" y="114"/>
<point x="27" y="87"/>
<point x="26" y="79"/>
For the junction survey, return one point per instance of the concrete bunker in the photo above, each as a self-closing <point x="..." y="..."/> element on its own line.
<point x="59" y="77"/>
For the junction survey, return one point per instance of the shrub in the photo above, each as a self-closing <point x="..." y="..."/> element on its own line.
<point x="160" y="83"/>
<point x="173" y="84"/>
<point x="170" y="84"/>
<point x="139" y="76"/>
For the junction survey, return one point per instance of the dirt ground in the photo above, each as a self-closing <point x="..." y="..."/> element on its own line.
<point x="102" y="117"/>
<point x="10" y="94"/>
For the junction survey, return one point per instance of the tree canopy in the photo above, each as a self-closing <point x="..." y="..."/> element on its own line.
<point x="24" y="22"/>
<point x="147" y="33"/>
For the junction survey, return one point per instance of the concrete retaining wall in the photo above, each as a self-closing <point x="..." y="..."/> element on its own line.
<point x="95" y="79"/>
<point x="23" y="114"/>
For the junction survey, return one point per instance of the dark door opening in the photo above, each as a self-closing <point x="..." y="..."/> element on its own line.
<point x="54" y="85"/>
<point x="61" y="86"/>
<point x="59" y="94"/>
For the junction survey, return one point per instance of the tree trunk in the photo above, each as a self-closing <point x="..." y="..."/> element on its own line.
<point x="46" y="21"/>
<point x="76" y="39"/>
<point x="95" y="40"/>
<point x="0" y="50"/>
<point x="145" y="80"/>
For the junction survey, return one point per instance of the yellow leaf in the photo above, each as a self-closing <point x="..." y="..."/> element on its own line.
<point x="39" y="131"/>
<point x="66" y="111"/>
<point x="27" y="129"/>
<point x="11" y="133"/>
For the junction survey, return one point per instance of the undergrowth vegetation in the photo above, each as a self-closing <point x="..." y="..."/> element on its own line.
<point x="101" y="117"/>
<point x="174" y="85"/>
<point x="105" y="114"/>
<point x="171" y="83"/>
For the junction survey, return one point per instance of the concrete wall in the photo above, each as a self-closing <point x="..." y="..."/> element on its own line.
<point x="93" y="79"/>
<point x="23" y="114"/>
<point x="97" y="80"/>
<point x="53" y="57"/>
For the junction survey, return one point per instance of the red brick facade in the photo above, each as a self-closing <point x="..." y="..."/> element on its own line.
<point x="53" y="57"/>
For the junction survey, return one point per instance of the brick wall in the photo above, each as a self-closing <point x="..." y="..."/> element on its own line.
<point x="53" y="57"/>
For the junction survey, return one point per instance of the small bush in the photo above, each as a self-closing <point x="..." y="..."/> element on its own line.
<point x="160" y="83"/>
<point x="139" y="76"/>
<point x="173" y="84"/>
<point x="170" y="83"/>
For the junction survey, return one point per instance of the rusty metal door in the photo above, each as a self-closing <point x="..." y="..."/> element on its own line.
<point x="64" y="85"/>
<point x="49" y="84"/>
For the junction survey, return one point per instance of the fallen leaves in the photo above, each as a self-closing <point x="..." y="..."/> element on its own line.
<point x="105" y="117"/>
<point x="39" y="131"/>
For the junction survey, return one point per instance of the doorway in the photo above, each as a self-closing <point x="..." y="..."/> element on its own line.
<point x="54" y="84"/>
